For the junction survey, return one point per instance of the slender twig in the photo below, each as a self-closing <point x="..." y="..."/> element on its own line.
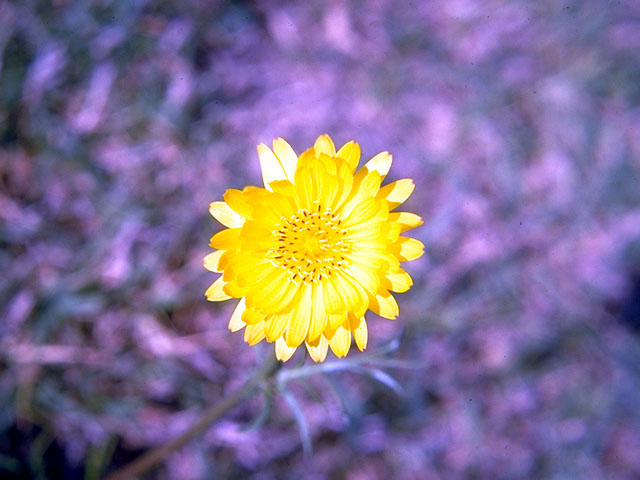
<point x="356" y="363"/>
<point x="298" y="415"/>
<point x="155" y="456"/>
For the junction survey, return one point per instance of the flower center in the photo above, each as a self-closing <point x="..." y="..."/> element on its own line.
<point x="310" y="244"/>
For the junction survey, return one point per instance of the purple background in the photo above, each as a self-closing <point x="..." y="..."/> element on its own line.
<point x="520" y="123"/>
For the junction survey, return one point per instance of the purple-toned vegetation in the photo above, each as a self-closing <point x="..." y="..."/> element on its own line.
<point x="520" y="122"/>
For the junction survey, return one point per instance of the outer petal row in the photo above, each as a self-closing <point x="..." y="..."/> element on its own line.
<point x="324" y="144"/>
<point x="280" y="165"/>
<point x="381" y="163"/>
<point x="315" y="314"/>
<point x="223" y="213"/>
<point x="396" y="193"/>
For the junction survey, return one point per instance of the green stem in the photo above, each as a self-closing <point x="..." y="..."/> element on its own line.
<point x="156" y="455"/>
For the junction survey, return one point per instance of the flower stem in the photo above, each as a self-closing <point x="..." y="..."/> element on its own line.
<point x="213" y="413"/>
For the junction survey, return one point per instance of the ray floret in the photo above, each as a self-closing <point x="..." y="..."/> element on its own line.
<point x="307" y="255"/>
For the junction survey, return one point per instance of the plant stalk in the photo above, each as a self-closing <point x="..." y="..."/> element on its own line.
<point x="151" y="458"/>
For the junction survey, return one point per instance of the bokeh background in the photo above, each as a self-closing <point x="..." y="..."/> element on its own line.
<point x="520" y="123"/>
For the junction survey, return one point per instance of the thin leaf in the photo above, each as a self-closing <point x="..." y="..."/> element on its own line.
<point x="341" y="395"/>
<point x="264" y="414"/>
<point x="385" y="379"/>
<point x="301" y="422"/>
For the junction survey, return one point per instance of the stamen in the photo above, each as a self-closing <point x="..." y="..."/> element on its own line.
<point x="310" y="245"/>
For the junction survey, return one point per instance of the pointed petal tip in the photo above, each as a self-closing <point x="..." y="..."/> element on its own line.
<point x="324" y="144"/>
<point x="263" y="150"/>
<point x="350" y="153"/>
<point x="384" y="304"/>
<point x="221" y="211"/>
<point x="287" y="156"/>
<point x="235" y="322"/>
<point x="381" y="163"/>
<point x="396" y="193"/>
<point x="360" y="333"/>
<point x="271" y="166"/>
<point x="318" y="352"/>
<point x="340" y="342"/>
<point x="408" y="249"/>
<point x="215" y="292"/>
<point x="283" y="352"/>
<point x="211" y="261"/>
<point x="254" y="334"/>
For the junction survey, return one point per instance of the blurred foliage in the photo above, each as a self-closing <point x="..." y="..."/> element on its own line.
<point x="121" y="120"/>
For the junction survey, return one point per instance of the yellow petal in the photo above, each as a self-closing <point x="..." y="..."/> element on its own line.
<point x="350" y="153"/>
<point x="274" y="292"/>
<point x="287" y="157"/>
<point x="340" y="342"/>
<point x="256" y="236"/>
<point x="391" y="262"/>
<point x="332" y="300"/>
<point x="283" y="351"/>
<point x="223" y="213"/>
<point x="345" y="186"/>
<point x="328" y="164"/>
<point x="372" y="258"/>
<point x="269" y="207"/>
<point x="248" y="269"/>
<point x="235" y="322"/>
<point x="226" y="239"/>
<point x="384" y="305"/>
<point x="338" y="297"/>
<point x="251" y="316"/>
<point x="364" y="276"/>
<point x="360" y="331"/>
<point x="275" y="326"/>
<point x="407" y="220"/>
<point x="367" y="188"/>
<point x="393" y="232"/>
<point x="366" y="210"/>
<point x="237" y="202"/>
<point x="352" y="291"/>
<point x="254" y="334"/>
<point x="235" y="290"/>
<point x="407" y="249"/>
<point x="271" y="167"/>
<point x="369" y="237"/>
<point x="215" y="293"/>
<point x="284" y="188"/>
<point x="370" y="185"/>
<point x="335" y="320"/>
<point x="396" y="193"/>
<point x="326" y="184"/>
<point x="324" y="144"/>
<point x="318" y="314"/>
<point x="298" y="325"/>
<point x="307" y="159"/>
<point x="318" y="352"/>
<point x="381" y="163"/>
<point x="398" y="282"/>
<point x="304" y="188"/>
<point x="212" y="261"/>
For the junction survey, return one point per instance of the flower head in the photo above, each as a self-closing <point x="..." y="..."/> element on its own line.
<point x="312" y="251"/>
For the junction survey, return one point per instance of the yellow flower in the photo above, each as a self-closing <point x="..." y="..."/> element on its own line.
<point x="308" y="254"/>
